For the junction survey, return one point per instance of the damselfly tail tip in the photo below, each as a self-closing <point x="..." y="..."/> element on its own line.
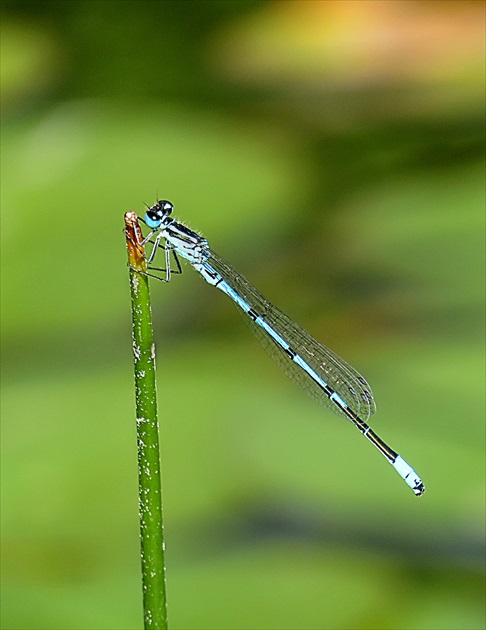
<point x="419" y="489"/>
<point x="409" y="475"/>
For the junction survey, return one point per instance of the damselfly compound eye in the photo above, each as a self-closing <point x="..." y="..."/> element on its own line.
<point x="164" y="207"/>
<point x="156" y="214"/>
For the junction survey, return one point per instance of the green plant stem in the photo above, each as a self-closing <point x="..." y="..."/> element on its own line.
<point x="149" y="479"/>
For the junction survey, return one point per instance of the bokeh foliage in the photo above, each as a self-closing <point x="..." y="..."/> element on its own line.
<point x="334" y="153"/>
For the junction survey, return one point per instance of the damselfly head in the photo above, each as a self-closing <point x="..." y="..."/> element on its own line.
<point x="155" y="215"/>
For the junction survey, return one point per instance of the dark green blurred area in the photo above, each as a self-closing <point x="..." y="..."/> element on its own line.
<point x="334" y="153"/>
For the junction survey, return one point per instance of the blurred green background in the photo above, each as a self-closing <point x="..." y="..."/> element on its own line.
<point x="333" y="152"/>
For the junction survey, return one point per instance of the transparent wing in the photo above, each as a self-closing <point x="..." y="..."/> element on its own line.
<point x="338" y="374"/>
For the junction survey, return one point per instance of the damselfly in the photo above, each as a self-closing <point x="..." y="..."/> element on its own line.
<point x="322" y="373"/>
